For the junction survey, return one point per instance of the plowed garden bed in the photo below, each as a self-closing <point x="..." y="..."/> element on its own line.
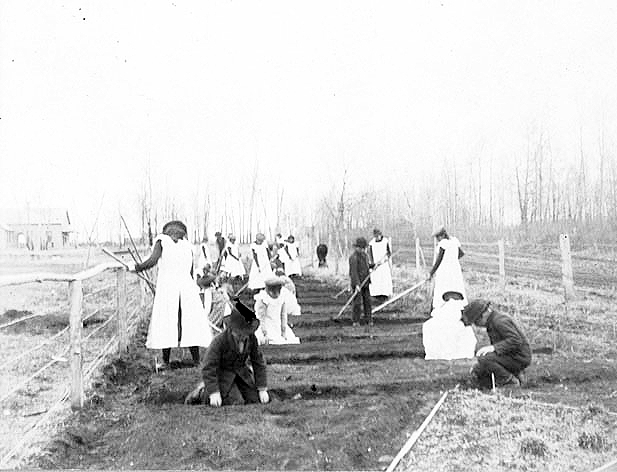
<point x="344" y="399"/>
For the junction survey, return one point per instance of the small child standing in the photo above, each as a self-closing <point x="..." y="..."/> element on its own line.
<point x="178" y="317"/>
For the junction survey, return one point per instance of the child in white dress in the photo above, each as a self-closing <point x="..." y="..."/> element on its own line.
<point x="272" y="307"/>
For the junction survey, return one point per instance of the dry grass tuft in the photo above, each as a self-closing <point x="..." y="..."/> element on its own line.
<point x="593" y="441"/>
<point x="534" y="447"/>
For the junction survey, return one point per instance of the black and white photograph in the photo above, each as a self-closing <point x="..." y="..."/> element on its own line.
<point x="330" y="235"/>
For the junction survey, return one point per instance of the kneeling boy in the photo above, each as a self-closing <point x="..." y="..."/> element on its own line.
<point x="227" y="363"/>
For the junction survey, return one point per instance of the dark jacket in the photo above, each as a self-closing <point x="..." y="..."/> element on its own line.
<point x="507" y="338"/>
<point x="358" y="267"/>
<point x="223" y="362"/>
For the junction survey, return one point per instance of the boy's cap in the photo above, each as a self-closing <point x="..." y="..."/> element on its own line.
<point x="361" y="242"/>
<point x="474" y="310"/>
<point x="243" y="319"/>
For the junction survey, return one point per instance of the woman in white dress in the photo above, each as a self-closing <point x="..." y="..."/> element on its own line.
<point x="178" y="316"/>
<point x="232" y="264"/>
<point x="380" y="252"/>
<point x="444" y="335"/>
<point x="447" y="270"/>
<point x="260" y="265"/>
<point x="292" y="263"/>
<point x="272" y="307"/>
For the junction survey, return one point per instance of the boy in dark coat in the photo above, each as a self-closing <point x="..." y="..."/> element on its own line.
<point x="509" y="352"/>
<point x="227" y="363"/>
<point x="359" y="270"/>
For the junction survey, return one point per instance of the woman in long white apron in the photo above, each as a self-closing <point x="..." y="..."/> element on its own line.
<point x="232" y="263"/>
<point x="380" y="253"/>
<point x="260" y="265"/>
<point x="447" y="270"/>
<point x="178" y="316"/>
<point x="292" y="263"/>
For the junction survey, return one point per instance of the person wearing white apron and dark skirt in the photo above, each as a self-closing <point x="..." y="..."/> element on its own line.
<point x="178" y="316"/>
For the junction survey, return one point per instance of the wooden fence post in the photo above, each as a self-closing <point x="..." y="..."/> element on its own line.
<point x="123" y="340"/>
<point x="566" y="265"/>
<point x="502" y="262"/>
<point x="75" y="328"/>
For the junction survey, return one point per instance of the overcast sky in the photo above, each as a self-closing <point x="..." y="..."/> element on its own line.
<point x="94" y="93"/>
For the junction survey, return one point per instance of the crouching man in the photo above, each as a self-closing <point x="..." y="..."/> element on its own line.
<point x="509" y="352"/>
<point x="229" y="360"/>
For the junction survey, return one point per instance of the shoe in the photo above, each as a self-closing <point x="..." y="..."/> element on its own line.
<point x="522" y="378"/>
<point x="512" y="382"/>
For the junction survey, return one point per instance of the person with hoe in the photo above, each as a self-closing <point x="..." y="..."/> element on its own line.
<point x="509" y="353"/>
<point x="359" y="273"/>
<point x="178" y="316"/>
<point x="260" y="266"/>
<point x="233" y="360"/>
<point x="292" y="263"/>
<point x="380" y="254"/>
<point x="447" y="270"/>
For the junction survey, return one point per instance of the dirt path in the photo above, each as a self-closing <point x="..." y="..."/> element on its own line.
<point x="343" y="399"/>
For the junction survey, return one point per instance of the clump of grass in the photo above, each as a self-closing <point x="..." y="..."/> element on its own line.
<point x="459" y="419"/>
<point x="593" y="441"/>
<point x="532" y="446"/>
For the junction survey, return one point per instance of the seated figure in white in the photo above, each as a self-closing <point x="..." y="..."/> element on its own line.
<point x="444" y="335"/>
<point x="289" y="293"/>
<point x="272" y="307"/>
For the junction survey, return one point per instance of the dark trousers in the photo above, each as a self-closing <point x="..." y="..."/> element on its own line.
<point x="503" y="367"/>
<point x="360" y="301"/>
<point x="248" y="392"/>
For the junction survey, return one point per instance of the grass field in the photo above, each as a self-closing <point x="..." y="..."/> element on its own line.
<point x="348" y="398"/>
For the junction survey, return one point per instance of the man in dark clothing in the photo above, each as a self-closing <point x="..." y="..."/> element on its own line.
<point x="233" y="359"/>
<point x="509" y="352"/>
<point x="359" y="270"/>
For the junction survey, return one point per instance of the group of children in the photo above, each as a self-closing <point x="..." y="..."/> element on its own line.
<point x="202" y="309"/>
<point x="188" y="310"/>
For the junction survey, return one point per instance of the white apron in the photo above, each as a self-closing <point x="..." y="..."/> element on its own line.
<point x="272" y="315"/>
<point x="445" y="336"/>
<point x="175" y="287"/>
<point x="448" y="276"/>
<point x="232" y="264"/>
<point x="292" y="259"/>
<point x="258" y="275"/>
<point x="381" y="277"/>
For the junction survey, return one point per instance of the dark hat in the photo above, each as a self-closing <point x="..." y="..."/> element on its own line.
<point x="290" y="238"/>
<point x="452" y="295"/>
<point x="175" y="227"/>
<point x="361" y="242"/>
<point x="474" y="310"/>
<point x="243" y="319"/>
